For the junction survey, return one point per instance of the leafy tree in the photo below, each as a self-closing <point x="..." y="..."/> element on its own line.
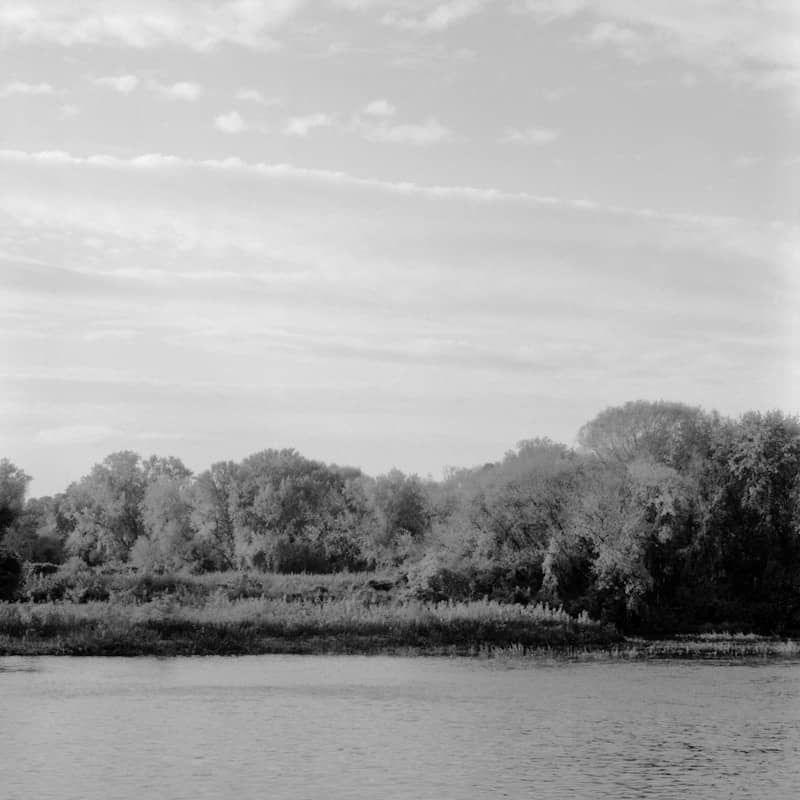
<point x="104" y="509"/>
<point x="39" y="532"/>
<point x="213" y="500"/>
<point x="166" y="514"/>
<point x="751" y="537"/>
<point x="402" y="502"/>
<point x="13" y="485"/>
<point x="667" y="433"/>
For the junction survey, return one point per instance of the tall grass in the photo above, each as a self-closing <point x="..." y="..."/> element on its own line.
<point x="267" y="625"/>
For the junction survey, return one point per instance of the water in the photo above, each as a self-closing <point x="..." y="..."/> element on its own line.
<point x="351" y="727"/>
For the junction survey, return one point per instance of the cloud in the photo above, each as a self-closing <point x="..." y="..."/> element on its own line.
<point x="757" y="43"/>
<point x="247" y="95"/>
<point x="94" y="434"/>
<point x="380" y="108"/>
<point x="21" y="87"/>
<point x="302" y="126"/>
<point x="146" y="23"/>
<point x="534" y="136"/>
<point x="440" y="18"/>
<point x="719" y="226"/>
<point x="182" y="90"/>
<point x="632" y="45"/>
<point x="431" y="131"/>
<point x="124" y="84"/>
<point x="230" y="122"/>
<point x="101" y="334"/>
<point x="75" y="434"/>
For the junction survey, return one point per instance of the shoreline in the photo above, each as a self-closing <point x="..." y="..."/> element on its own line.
<point x="656" y="650"/>
<point x="268" y="627"/>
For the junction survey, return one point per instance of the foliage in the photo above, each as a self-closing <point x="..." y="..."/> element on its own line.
<point x="665" y="519"/>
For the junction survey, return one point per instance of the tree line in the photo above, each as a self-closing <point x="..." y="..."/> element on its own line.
<point x="665" y="518"/>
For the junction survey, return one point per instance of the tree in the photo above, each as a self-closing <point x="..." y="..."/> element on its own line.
<point x="213" y="499"/>
<point x="751" y="533"/>
<point x="166" y="515"/>
<point x="13" y="485"/>
<point x="633" y="523"/>
<point x="668" y="433"/>
<point x="39" y="532"/>
<point x="402" y="502"/>
<point x="104" y="509"/>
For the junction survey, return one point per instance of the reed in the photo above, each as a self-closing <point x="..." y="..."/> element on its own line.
<point x="223" y="626"/>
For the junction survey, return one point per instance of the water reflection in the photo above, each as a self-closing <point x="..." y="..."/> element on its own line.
<point x="350" y="727"/>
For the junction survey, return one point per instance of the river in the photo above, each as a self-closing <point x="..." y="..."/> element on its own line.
<point x="384" y="727"/>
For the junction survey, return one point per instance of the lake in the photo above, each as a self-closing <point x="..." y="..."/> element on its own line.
<point x="385" y="727"/>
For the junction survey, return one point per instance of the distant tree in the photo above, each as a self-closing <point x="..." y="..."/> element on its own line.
<point x="157" y="467"/>
<point x="166" y="515"/>
<point x="403" y="505"/>
<point x="214" y="498"/>
<point x="749" y="545"/>
<point x="668" y="433"/>
<point x="13" y="485"/>
<point x="286" y="509"/>
<point x="634" y="522"/>
<point x="104" y="509"/>
<point x="39" y="532"/>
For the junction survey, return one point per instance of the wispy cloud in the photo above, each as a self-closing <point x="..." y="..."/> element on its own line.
<point x="439" y="18"/>
<point x="380" y="108"/>
<point x="248" y="95"/>
<point x="429" y="132"/>
<point x="631" y="44"/>
<point x="756" y="43"/>
<point x="146" y="23"/>
<point x="302" y="126"/>
<point x="94" y="434"/>
<point x="182" y="90"/>
<point x="157" y="162"/>
<point x="75" y="434"/>
<point x="230" y="122"/>
<point x="124" y="84"/>
<point x="533" y="136"/>
<point x="21" y="87"/>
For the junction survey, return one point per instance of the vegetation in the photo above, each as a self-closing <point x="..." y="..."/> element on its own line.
<point x="267" y="626"/>
<point x="665" y="520"/>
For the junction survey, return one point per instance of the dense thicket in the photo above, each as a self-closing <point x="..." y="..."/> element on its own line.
<point x="665" y="518"/>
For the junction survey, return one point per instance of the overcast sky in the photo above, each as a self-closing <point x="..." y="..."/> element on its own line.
<point x="388" y="232"/>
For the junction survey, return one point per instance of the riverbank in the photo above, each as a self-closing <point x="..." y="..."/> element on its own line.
<point x="267" y="626"/>
<point x="261" y="626"/>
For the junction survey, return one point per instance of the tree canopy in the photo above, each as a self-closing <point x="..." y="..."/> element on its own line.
<point x="665" y="518"/>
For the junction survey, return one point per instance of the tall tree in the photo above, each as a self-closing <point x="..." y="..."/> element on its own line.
<point x="13" y="485"/>
<point x="104" y="509"/>
<point x="668" y="433"/>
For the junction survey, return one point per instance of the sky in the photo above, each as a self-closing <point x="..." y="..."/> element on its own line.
<point x="388" y="232"/>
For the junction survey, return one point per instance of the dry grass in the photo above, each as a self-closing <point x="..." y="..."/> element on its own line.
<point x="267" y="625"/>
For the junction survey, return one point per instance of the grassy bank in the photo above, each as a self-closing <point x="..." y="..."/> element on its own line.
<point x="279" y="626"/>
<point x="93" y="612"/>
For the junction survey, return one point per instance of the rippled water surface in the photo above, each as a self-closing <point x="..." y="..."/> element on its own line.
<point x="353" y="727"/>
